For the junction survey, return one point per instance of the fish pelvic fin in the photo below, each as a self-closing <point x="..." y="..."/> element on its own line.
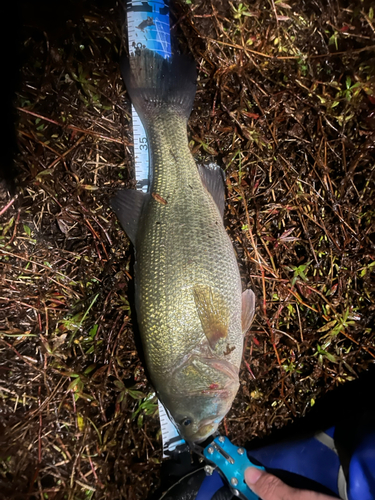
<point x="248" y="309"/>
<point x="156" y="84"/>
<point x="213" y="314"/>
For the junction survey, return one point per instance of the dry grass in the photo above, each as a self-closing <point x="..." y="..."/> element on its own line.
<point x="286" y="104"/>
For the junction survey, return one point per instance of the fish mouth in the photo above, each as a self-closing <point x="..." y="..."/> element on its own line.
<point x="207" y="427"/>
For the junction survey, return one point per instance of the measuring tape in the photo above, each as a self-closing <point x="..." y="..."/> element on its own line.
<point x="171" y="437"/>
<point x="148" y="27"/>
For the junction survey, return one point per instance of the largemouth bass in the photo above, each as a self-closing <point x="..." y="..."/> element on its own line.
<point x="190" y="308"/>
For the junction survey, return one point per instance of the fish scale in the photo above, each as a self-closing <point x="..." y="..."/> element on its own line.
<point x="187" y="281"/>
<point x="193" y="248"/>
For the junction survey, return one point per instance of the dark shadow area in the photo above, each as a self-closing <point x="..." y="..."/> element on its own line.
<point x="346" y="405"/>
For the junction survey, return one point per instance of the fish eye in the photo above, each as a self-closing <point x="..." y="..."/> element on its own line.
<point x="185" y="422"/>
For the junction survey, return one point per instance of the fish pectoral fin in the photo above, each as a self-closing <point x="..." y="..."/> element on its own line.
<point x="213" y="178"/>
<point x="248" y="309"/>
<point x="127" y="205"/>
<point x="212" y="312"/>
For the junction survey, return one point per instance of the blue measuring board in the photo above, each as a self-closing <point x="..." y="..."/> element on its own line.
<point x="148" y="27"/>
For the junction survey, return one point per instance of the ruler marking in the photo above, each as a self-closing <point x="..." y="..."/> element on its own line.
<point x="170" y="436"/>
<point x="154" y="37"/>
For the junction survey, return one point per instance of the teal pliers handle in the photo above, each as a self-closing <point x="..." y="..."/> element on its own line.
<point x="232" y="462"/>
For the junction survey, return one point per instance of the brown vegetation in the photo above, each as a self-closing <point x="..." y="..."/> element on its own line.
<point x="286" y="105"/>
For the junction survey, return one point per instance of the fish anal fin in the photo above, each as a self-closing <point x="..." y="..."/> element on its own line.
<point x="248" y="309"/>
<point x="213" y="314"/>
<point x="213" y="178"/>
<point x="127" y="205"/>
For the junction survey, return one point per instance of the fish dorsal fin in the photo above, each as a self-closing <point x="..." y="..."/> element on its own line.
<point x="127" y="205"/>
<point x="213" y="178"/>
<point x="248" y="309"/>
<point x="212" y="312"/>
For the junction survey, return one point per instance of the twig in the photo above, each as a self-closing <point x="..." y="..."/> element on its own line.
<point x="9" y="204"/>
<point x="76" y="129"/>
<point x="36" y="263"/>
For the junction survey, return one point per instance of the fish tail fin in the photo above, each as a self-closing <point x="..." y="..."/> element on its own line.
<point x="156" y="84"/>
